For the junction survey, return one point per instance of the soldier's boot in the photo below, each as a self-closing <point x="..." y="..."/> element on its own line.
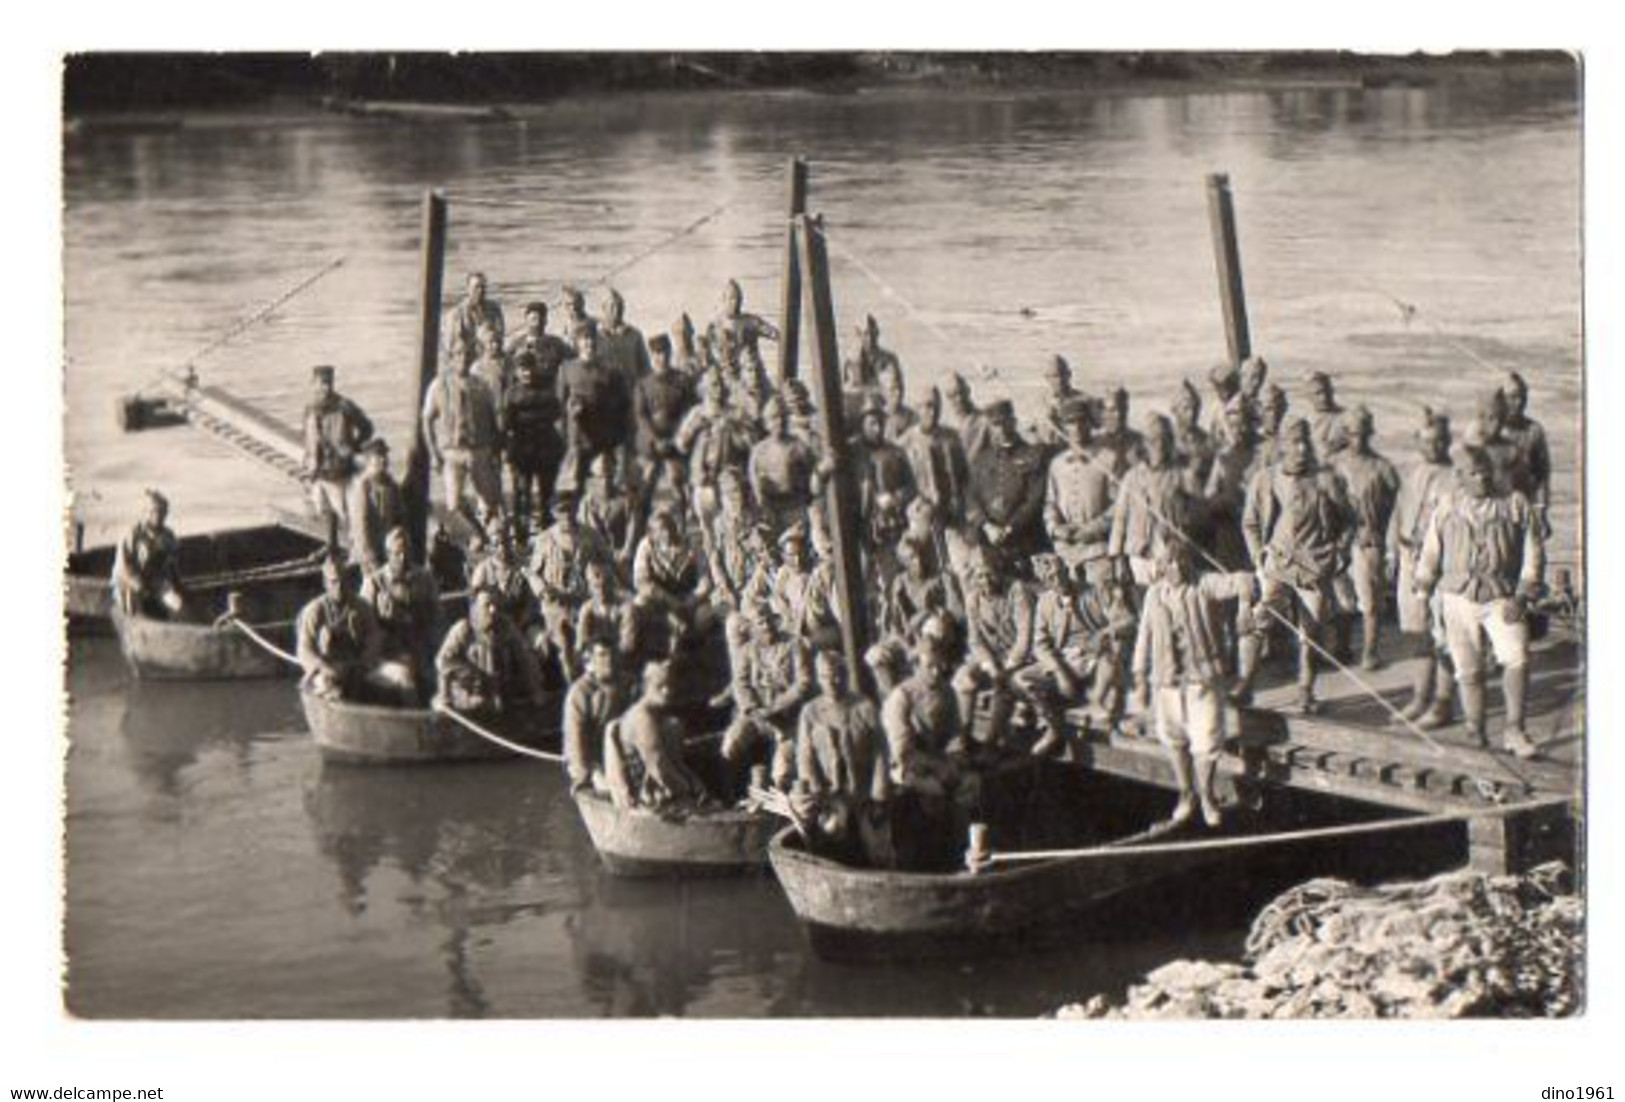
<point x="1422" y="689"/>
<point x="1442" y="713"/>
<point x="1252" y="651"/>
<point x="1053" y="740"/>
<point x="1369" y="659"/>
<point x="1207" y="767"/>
<point x="1472" y="703"/>
<point x="1307" y="704"/>
<point x="1343" y="636"/>
<point x="1185" y="774"/>
<point x="1515" y="682"/>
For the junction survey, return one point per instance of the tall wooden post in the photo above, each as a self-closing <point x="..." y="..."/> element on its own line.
<point x="1221" y="212"/>
<point x="416" y="488"/>
<point x="843" y="513"/>
<point x="790" y="301"/>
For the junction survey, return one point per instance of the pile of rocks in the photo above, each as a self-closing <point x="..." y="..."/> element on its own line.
<point x="1458" y="945"/>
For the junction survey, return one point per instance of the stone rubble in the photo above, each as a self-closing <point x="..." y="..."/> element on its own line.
<point x="1458" y="945"/>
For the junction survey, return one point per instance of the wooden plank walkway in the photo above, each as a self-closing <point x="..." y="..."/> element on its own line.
<point x="1354" y="750"/>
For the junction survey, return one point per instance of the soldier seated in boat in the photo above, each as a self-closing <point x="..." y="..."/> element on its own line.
<point x="376" y="506"/>
<point x="917" y="595"/>
<point x="334" y="430"/>
<point x="406" y="603"/>
<point x="998" y="630"/>
<point x="146" y="566"/>
<point x="340" y="645"/>
<point x="605" y="616"/>
<point x="643" y="751"/>
<point x="843" y="774"/>
<point x="606" y="509"/>
<point x="927" y="747"/>
<point x="1080" y="635"/>
<point x="1178" y="669"/>
<point x="783" y="470"/>
<point x="669" y="573"/>
<point x="597" y="699"/>
<point x="502" y="571"/>
<point x="772" y="679"/>
<point x="485" y="666"/>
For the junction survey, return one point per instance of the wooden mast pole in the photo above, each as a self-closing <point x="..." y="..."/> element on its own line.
<point x="416" y="488"/>
<point x="1227" y="258"/>
<point x="790" y="300"/>
<point x="843" y="490"/>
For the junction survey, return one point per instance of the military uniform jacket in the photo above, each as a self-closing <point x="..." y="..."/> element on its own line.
<point x="841" y="749"/>
<point x="920" y="718"/>
<point x="1297" y="524"/>
<point x="340" y="633"/>
<point x="376" y="506"/>
<point x="461" y="411"/>
<point x="1482" y="548"/>
<point x="1007" y="487"/>
<point x="588" y="708"/>
<point x="1148" y="499"/>
<point x="1180" y="641"/>
<point x="334" y="432"/>
<point x="1078" y="503"/>
<point x="1372" y="486"/>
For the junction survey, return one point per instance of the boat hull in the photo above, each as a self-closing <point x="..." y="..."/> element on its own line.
<point x="849" y="911"/>
<point x="639" y="842"/>
<point x="162" y="650"/>
<point x="370" y="734"/>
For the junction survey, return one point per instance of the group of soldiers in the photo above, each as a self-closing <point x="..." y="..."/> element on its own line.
<point x="642" y="504"/>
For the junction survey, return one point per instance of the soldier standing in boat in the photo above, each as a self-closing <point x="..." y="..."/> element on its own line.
<point x="406" y="603"/>
<point x="557" y="567"/>
<point x="462" y="426"/>
<point x="1424" y="487"/>
<point x="1178" y="670"/>
<point x="1050" y="433"/>
<point x="1484" y="553"/>
<point x="334" y="430"/>
<point x="963" y="416"/>
<point x="662" y="400"/>
<point x="1078" y="499"/>
<point x="885" y="484"/>
<point x="1119" y="446"/>
<point x="376" y="506"/>
<point x="1529" y="438"/>
<point x="1372" y="485"/>
<point x="1325" y="417"/>
<point x="146" y="577"/>
<point x="937" y="456"/>
<point x="1192" y="443"/>
<point x="783" y="471"/>
<point x="927" y="746"/>
<point x="598" y="697"/>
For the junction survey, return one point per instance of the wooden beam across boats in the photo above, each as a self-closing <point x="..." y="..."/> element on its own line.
<point x="635" y="841"/>
<point x="374" y="734"/>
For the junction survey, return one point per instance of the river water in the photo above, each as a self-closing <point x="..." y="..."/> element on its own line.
<point x="215" y="869"/>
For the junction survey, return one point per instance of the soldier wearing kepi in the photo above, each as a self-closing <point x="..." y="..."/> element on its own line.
<point x="1484" y="553"/>
<point x="1325" y="417"/>
<point x="334" y="429"/>
<point x="1192" y="443"/>
<point x="1157" y="494"/>
<point x="146" y="566"/>
<point x="1425" y="486"/>
<point x="406" y="603"/>
<point x="1372" y="485"/>
<point x="376" y="506"/>
<point x="841" y="756"/>
<point x="1119" y="446"/>
<point x="1008" y="478"/>
<point x="597" y="698"/>
<point x="1526" y="433"/>
<point x="1178" y="670"/>
<point x="532" y="444"/>
<point x="1078" y="499"/>
<point x="1297" y="527"/>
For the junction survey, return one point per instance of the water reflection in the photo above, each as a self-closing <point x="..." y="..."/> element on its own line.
<point x="168" y="726"/>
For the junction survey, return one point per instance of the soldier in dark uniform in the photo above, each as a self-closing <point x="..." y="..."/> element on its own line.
<point x="532" y="443"/>
<point x="334" y="429"/>
<point x="376" y="506"/>
<point x="1007" y="488"/>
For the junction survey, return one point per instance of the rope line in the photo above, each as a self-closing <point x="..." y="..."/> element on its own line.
<point x="986" y="372"/>
<point x="1410" y="312"/>
<point x="244" y="324"/>
<point x="1358" y="681"/>
<point x="975" y="861"/>
<point x="264" y="643"/>
<point x="473" y="728"/>
<point x="663" y="243"/>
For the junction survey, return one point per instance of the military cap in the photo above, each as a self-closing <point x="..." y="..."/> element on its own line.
<point x="1058" y="367"/>
<point x="1493" y="400"/>
<point x="1515" y="382"/>
<point x="1299" y="426"/>
<point x="157" y="498"/>
<point x="1001" y="410"/>
<point x="1358" y="419"/>
<point x="536" y="307"/>
<point x="1224" y="375"/>
<point x="873" y="406"/>
<point x="1274" y="397"/>
<point x="324" y="372"/>
<point x="1319" y="379"/>
<point x="376" y="446"/>
<point x="1075" y="408"/>
<point x="660" y="343"/>
<point x="1158" y="425"/>
<point x="1188" y="391"/>
<point x="1118" y="397"/>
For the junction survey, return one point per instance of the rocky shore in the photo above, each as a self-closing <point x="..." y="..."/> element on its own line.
<point x="1459" y="945"/>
